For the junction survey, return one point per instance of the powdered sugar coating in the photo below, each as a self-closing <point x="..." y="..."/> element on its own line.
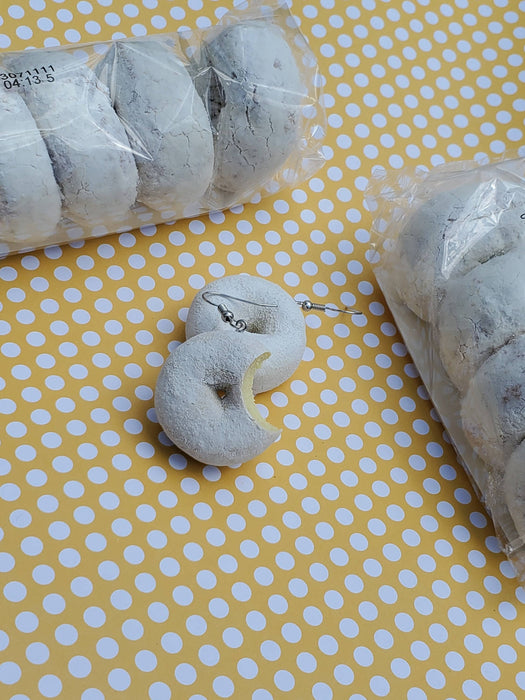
<point x="201" y="402"/>
<point x="87" y="144"/>
<point x="252" y="86"/>
<point x="30" y="198"/>
<point x="166" y="122"/>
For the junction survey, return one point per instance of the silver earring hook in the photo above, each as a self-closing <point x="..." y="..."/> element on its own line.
<point x="227" y="315"/>
<point x="241" y="325"/>
<point x="205" y="296"/>
<point x="308" y="305"/>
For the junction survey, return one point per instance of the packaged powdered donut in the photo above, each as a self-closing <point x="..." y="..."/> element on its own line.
<point x="449" y="255"/>
<point x="106" y="137"/>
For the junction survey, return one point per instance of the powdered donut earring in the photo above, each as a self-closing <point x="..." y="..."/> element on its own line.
<point x="204" y="398"/>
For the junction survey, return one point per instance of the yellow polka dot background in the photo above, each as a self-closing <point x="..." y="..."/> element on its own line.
<point x="352" y="560"/>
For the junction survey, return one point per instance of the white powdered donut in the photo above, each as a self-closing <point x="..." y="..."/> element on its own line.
<point x="204" y="399"/>
<point x="280" y="327"/>
<point x="451" y="233"/>
<point x="493" y="409"/>
<point x="254" y="93"/>
<point x="167" y="124"/>
<point x="87" y="144"/>
<point x="29" y="195"/>
<point x="419" y="250"/>
<point x="481" y="312"/>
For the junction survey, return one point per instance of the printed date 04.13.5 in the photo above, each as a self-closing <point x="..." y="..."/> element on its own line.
<point x="31" y="76"/>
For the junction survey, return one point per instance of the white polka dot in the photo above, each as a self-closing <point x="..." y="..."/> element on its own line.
<point x="185" y="674"/>
<point x="66" y="634"/>
<point x="284" y="680"/>
<point x="50" y="686"/>
<point x="223" y="686"/>
<point x="37" y="653"/>
<point x="119" y="679"/>
<point x="94" y="616"/>
<point x="146" y="661"/>
<point x="79" y="666"/>
<point x="159" y="691"/>
<point x="107" y="648"/>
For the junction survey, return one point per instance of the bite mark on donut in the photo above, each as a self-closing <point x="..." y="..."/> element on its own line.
<point x="248" y="397"/>
<point x="228" y="393"/>
<point x="204" y="398"/>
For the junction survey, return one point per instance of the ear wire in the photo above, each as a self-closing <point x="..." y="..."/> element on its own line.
<point x="205" y="296"/>
<point x="241" y="325"/>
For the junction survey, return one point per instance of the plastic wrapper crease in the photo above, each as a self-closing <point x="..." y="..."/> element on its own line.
<point x="106" y="137"/>
<point x="449" y="255"/>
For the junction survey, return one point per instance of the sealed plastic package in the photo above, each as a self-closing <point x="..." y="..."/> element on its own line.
<point x="104" y="137"/>
<point x="449" y="255"/>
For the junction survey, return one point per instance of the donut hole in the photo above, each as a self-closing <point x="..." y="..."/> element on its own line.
<point x="261" y="326"/>
<point x="254" y="327"/>
<point x="225" y="393"/>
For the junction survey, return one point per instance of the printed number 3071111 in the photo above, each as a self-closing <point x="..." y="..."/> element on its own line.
<point x="31" y="76"/>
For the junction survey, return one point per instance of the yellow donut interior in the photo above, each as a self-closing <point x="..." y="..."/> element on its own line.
<point x="248" y="397"/>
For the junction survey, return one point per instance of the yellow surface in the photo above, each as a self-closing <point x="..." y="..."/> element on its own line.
<point x="353" y="559"/>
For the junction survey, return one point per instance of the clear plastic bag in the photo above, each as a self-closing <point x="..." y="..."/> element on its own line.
<point x="105" y="137"/>
<point x="449" y="256"/>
